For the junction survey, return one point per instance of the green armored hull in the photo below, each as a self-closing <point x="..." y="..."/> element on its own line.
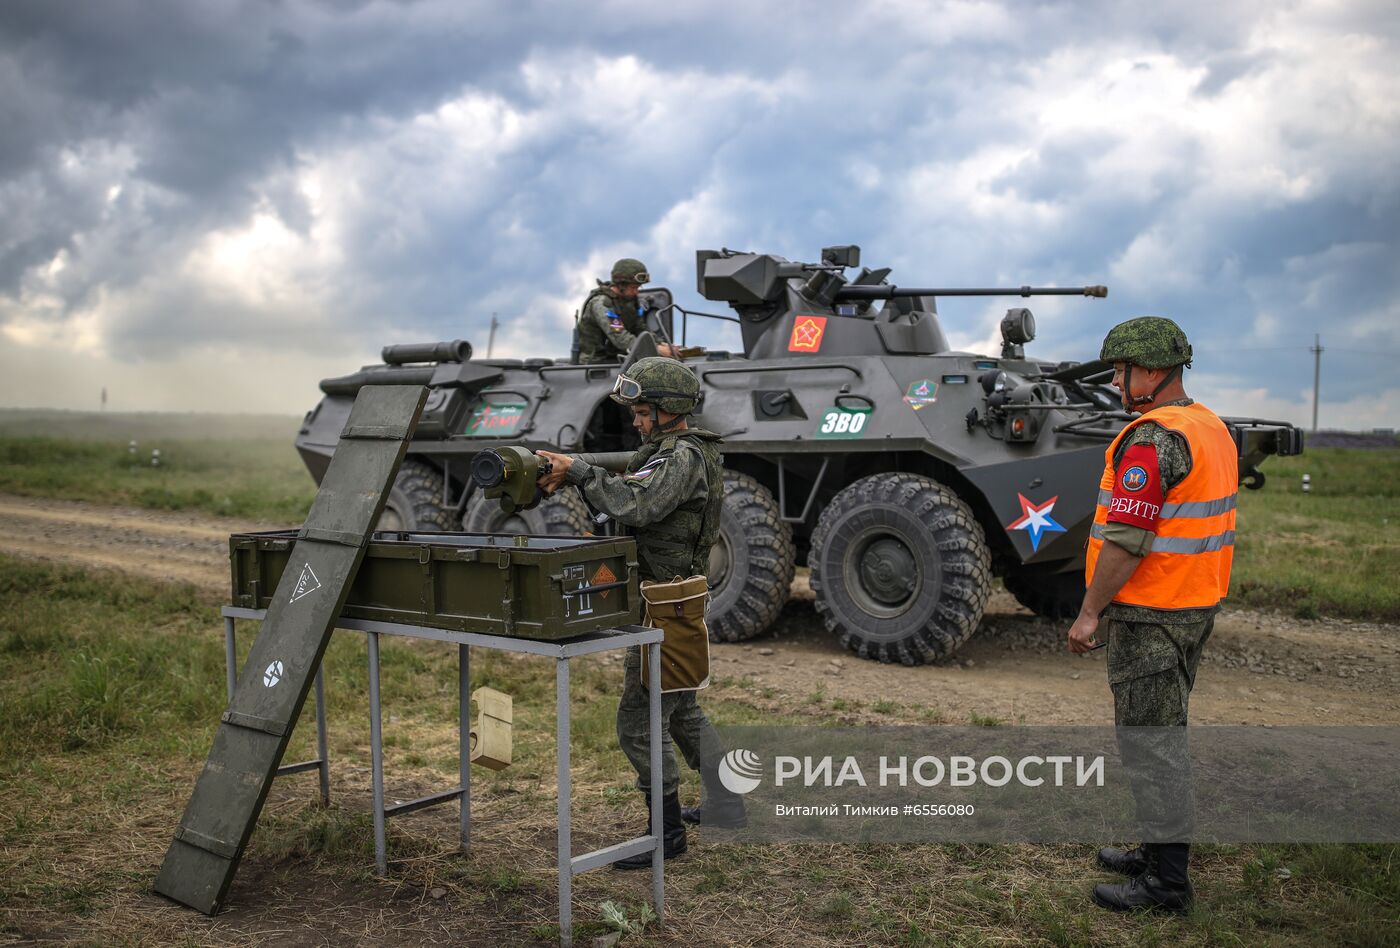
<point x="522" y="586"/>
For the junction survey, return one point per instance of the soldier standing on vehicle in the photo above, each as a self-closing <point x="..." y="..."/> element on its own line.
<point x="1158" y="565"/>
<point x="669" y="499"/>
<point x="612" y="317"/>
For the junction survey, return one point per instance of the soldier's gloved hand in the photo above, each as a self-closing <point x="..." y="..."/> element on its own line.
<point x="559" y="466"/>
<point x="667" y="350"/>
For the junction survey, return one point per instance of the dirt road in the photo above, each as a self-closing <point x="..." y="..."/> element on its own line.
<point x="1259" y="668"/>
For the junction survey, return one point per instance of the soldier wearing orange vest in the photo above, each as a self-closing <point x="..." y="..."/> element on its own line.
<point x="1157" y="568"/>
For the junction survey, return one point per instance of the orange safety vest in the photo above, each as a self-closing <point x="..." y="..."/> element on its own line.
<point x="1189" y="564"/>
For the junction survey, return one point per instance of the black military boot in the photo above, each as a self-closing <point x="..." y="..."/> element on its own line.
<point x="720" y="807"/>
<point x="1164" y="886"/>
<point x="672" y="834"/>
<point x="1131" y="863"/>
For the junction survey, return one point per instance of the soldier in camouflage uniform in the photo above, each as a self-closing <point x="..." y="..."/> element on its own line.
<point x="1154" y="649"/>
<point x="611" y="317"/>
<point x="669" y="499"/>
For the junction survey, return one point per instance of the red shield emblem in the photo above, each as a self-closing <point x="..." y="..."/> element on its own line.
<point x="807" y="334"/>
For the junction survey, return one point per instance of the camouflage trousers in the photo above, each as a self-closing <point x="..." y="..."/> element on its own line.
<point x="1151" y="670"/>
<point x="682" y="723"/>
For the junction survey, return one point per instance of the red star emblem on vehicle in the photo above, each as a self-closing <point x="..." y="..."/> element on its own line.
<point x="807" y="334"/>
<point x="1035" y="519"/>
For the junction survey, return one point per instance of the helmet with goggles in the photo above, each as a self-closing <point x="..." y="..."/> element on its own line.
<point x="665" y="383"/>
<point x="630" y="270"/>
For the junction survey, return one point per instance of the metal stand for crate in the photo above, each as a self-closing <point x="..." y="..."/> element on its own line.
<point x="562" y="652"/>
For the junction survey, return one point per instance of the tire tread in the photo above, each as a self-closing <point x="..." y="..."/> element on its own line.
<point x="966" y="566"/>
<point x="772" y="561"/>
<point x="422" y="485"/>
<point x="562" y="513"/>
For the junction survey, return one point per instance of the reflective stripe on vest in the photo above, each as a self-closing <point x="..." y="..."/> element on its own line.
<point x="1161" y="544"/>
<point x="1191" y="508"/>
<point x="1188" y="566"/>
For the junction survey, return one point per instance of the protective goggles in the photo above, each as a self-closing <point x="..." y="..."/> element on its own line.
<point x="626" y="390"/>
<point x="629" y="391"/>
<point x="637" y="278"/>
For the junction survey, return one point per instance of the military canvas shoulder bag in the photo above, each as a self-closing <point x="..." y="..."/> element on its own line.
<point x="677" y="608"/>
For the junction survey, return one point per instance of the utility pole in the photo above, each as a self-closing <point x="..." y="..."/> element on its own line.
<point x="491" y="343"/>
<point x="1316" y="350"/>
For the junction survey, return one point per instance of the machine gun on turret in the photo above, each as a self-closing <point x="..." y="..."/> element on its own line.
<point x="770" y="293"/>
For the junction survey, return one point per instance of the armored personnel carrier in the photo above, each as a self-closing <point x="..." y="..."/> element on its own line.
<point x="905" y="474"/>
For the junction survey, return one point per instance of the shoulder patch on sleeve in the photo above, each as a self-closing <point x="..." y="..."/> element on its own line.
<point x="1137" y="488"/>
<point x="648" y="469"/>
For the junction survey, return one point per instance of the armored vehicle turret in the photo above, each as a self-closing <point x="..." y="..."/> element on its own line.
<point x="904" y="473"/>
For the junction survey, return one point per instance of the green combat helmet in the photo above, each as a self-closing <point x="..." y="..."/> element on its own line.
<point x="630" y="270"/>
<point x="1152" y="342"/>
<point x="662" y="383"/>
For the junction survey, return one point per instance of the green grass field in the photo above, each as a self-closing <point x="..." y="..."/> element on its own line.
<point x="237" y="466"/>
<point x="110" y="689"/>
<point x="1333" y="551"/>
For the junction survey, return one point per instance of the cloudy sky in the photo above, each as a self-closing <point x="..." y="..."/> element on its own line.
<point x="212" y="204"/>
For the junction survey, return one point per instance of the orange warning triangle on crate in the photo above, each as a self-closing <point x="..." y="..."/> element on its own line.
<point x="601" y="576"/>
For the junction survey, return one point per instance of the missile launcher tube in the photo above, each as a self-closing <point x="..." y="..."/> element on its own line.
<point x="458" y="350"/>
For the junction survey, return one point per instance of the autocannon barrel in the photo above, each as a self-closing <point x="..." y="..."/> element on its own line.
<point x="890" y="291"/>
<point x="458" y="350"/>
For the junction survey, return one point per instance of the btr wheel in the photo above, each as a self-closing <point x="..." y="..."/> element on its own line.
<point x="751" y="564"/>
<point x="901" y="569"/>
<point x="562" y="513"/>
<point x="414" y="503"/>
<point x="1049" y="595"/>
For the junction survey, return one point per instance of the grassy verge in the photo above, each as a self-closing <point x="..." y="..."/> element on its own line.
<point x="1333" y="551"/>
<point x="229" y="466"/>
<point x="110" y="689"/>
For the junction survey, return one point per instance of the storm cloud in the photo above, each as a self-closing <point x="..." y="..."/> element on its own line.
<point x="192" y="188"/>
